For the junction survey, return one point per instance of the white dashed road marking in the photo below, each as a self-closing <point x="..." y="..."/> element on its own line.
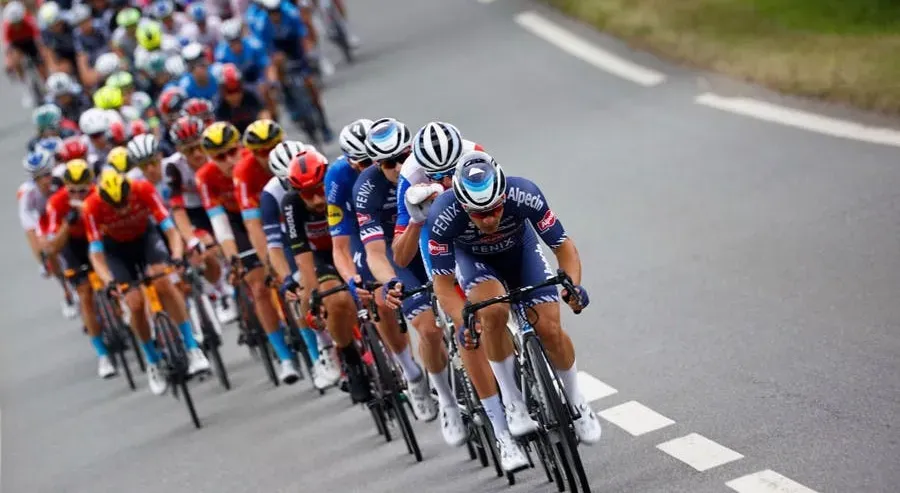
<point x="699" y="452"/>
<point x="588" y="52"/>
<point x="593" y="389"/>
<point x="485" y="1"/>
<point x="767" y="481"/>
<point x="801" y="119"/>
<point x="635" y="418"/>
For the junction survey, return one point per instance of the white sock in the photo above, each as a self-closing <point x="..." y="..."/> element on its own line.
<point x="324" y="339"/>
<point x="494" y="410"/>
<point x="570" y="382"/>
<point x="441" y="383"/>
<point x="505" y="373"/>
<point x="410" y="369"/>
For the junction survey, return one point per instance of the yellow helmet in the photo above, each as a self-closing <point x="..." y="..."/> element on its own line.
<point x="108" y="98"/>
<point x="220" y="136"/>
<point x="114" y="188"/>
<point x="78" y="172"/>
<point x="263" y="134"/>
<point x="118" y="159"/>
<point x="149" y="35"/>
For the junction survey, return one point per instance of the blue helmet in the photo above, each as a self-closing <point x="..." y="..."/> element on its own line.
<point x="51" y="145"/>
<point x="479" y="183"/>
<point x="197" y="12"/>
<point x="39" y="163"/>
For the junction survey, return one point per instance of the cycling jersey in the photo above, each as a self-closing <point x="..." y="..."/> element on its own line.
<point x="124" y="41"/>
<point x="93" y="44"/>
<point x="273" y="223"/>
<point x="242" y="115"/>
<point x="194" y="89"/>
<point x="208" y="35"/>
<point x="182" y="182"/>
<point x="32" y="204"/>
<point x="252" y="60"/>
<point x="130" y="222"/>
<point x="512" y="254"/>
<point x="250" y="178"/>
<point x="58" y="207"/>
<point x="72" y="111"/>
<point x="62" y="44"/>
<point x="22" y="32"/>
<point x="307" y="231"/>
<point x="285" y="36"/>
<point x="339" y="180"/>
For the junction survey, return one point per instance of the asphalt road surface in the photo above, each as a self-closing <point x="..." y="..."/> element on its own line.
<point x="743" y="279"/>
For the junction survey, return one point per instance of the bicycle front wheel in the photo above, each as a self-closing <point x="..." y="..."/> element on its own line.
<point x="176" y="356"/>
<point x="211" y="339"/>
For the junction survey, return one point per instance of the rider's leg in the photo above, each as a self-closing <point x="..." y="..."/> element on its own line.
<point x="266" y="311"/>
<point x="316" y="98"/>
<point x="89" y="316"/>
<point x="396" y="341"/>
<point x="134" y="300"/>
<point x="173" y="301"/>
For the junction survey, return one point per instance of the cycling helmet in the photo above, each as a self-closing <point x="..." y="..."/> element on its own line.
<point x="129" y="113"/>
<point x="201" y="108"/>
<point x="269" y="4"/>
<point x="120" y="80"/>
<point x="155" y="63"/>
<point x="175" y="66"/>
<point x="149" y="35"/>
<point x="387" y="139"/>
<point x="128" y="17"/>
<point x="114" y="188"/>
<point x="118" y="159"/>
<point x="353" y="139"/>
<point x="79" y="13"/>
<point x="93" y="121"/>
<point x="60" y="83"/>
<point x="39" y="163"/>
<point x="170" y="102"/>
<point x="14" y="12"/>
<point x="280" y="157"/>
<point x="197" y="12"/>
<point x="161" y="9"/>
<point x="193" y="52"/>
<point x="73" y="148"/>
<point x="479" y="183"/>
<point x="229" y="77"/>
<point x="118" y="133"/>
<point x="108" y="98"/>
<point x="263" y="134"/>
<point x="51" y="145"/>
<point x="107" y="63"/>
<point x="78" y="172"/>
<point x="48" y="14"/>
<point x="47" y="117"/>
<point x="186" y="130"/>
<point x="231" y="29"/>
<point x="307" y="170"/>
<point x="142" y="148"/>
<point x="141" y="101"/>
<point x="437" y="147"/>
<point x="138" y="127"/>
<point x="219" y="136"/>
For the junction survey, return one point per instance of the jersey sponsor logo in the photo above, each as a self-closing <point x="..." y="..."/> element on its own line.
<point x="335" y="215"/>
<point x="362" y="219"/>
<point x="547" y="221"/>
<point x="500" y="246"/>
<point x="288" y="213"/>
<point x="435" y="248"/>
<point x="445" y="218"/>
<point x="362" y="196"/>
<point x="522" y="197"/>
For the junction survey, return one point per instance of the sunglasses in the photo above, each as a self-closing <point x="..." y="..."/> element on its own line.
<point x="496" y="210"/>
<point x="262" y="152"/>
<point x="222" y="156"/>
<point x="440" y="175"/>
<point x="191" y="148"/>
<point x="394" y="161"/>
<point x="311" y="193"/>
<point x="78" y="190"/>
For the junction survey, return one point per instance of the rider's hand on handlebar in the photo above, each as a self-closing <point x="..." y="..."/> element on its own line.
<point x="393" y="292"/>
<point x="289" y="288"/>
<point x="464" y="336"/>
<point x="578" y="302"/>
<point x="361" y="294"/>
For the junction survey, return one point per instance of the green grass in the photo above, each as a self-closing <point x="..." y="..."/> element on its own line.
<point x="841" y="50"/>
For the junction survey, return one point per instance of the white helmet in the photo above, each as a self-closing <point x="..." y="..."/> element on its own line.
<point x="14" y="12"/>
<point x="175" y="66"/>
<point x="142" y="148"/>
<point x="107" y="63"/>
<point x="231" y="29"/>
<point x="353" y="139"/>
<point x="48" y="14"/>
<point x="79" y="13"/>
<point x="280" y="157"/>
<point x="479" y="183"/>
<point x="437" y="147"/>
<point x="60" y="83"/>
<point x="192" y="52"/>
<point x="269" y="4"/>
<point x="387" y="139"/>
<point x="93" y="121"/>
<point x="39" y="162"/>
<point x="129" y="113"/>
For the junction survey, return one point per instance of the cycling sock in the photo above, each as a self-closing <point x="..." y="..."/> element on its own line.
<point x="505" y="372"/>
<point x="441" y="383"/>
<point x="187" y="334"/>
<point x="324" y="339"/>
<point x="312" y="343"/>
<point x="150" y="352"/>
<point x="97" y="342"/>
<point x="570" y="382"/>
<point x="410" y="369"/>
<point x="494" y="410"/>
<point x="277" y="340"/>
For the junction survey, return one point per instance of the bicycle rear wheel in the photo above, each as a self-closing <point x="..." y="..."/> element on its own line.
<point x="176" y="357"/>
<point x="255" y="335"/>
<point x="211" y="339"/>
<point x="398" y="407"/>
<point x="115" y="343"/>
<point x="381" y="377"/>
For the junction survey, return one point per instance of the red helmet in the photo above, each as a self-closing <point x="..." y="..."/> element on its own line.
<point x="118" y="133"/>
<point x="230" y="77"/>
<point x="186" y="130"/>
<point x="201" y="108"/>
<point x="138" y="127"/>
<point x="170" y="102"/>
<point x="307" y="170"/>
<point x="73" y="148"/>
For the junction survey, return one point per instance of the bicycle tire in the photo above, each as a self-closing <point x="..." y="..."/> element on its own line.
<point x="380" y="376"/>
<point x="176" y="357"/>
<point x="409" y="434"/>
<point x="211" y="340"/>
<point x="115" y="344"/>
<point x="567" y="445"/>
<point x="265" y="353"/>
<point x="256" y="336"/>
<point x="541" y="441"/>
<point x="190" y="405"/>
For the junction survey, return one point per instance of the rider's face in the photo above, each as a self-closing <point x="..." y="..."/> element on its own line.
<point x="43" y="183"/>
<point x="226" y="160"/>
<point x="314" y="199"/>
<point x="487" y="221"/>
<point x="194" y="155"/>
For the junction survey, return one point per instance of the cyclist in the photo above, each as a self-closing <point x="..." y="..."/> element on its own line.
<point x="163" y="11"/>
<point x="201" y="108"/>
<point x="57" y="39"/>
<point x="388" y="145"/>
<point x="279" y="27"/>
<point x="218" y="181"/>
<point x="201" y="28"/>
<point x="198" y="81"/>
<point x="487" y="229"/>
<point x="252" y="60"/>
<point x="91" y="40"/>
<point x="32" y="202"/>
<point x="21" y="37"/>
<point x="124" y="41"/>
<point x="68" y="237"/>
<point x="64" y="92"/>
<point x="123" y="243"/>
<point x="48" y="120"/>
<point x="94" y="123"/>
<point x="280" y="224"/>
<point x="74" y="147"/>
<point x="235" y="103"/>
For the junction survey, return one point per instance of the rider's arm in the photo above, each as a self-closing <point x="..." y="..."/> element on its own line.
<point x="95" y="246"/>
<point x="30" y="225"/>
<point x="406" y="234"/>
<point x="252" y="220"/>
<point x="57" y="230"/>
<point x="442" y="263"/>
<point x="217" y="217"/>
<point x="338" y="193"/>
<point x="371" y="232"/>
<point x="147" y="193"/>
<point x="176" y="202"/>
<point x="292" y="206"/>
<point x="271" y="221"/>
<point x="343" y="256"/>
<point x="551" y="230"/>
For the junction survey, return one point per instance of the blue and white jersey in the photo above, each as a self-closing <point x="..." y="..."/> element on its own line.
<point x="272" y="220"/>
<point x="285" y="36"/>
<point x="193" y="89"/>
<point x="252" y="61"/>
<point x="375" y="201"/>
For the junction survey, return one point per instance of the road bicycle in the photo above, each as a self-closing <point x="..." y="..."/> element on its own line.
<point x="207" y="328"/>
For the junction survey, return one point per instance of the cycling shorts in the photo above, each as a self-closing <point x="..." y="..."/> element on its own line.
<point x="526" y="267"/>
<point x="325" y="269"/>
<point x="248" y="256"/>
<point x="127" y="259"/>
<point x="412" y="276"/>
<point x="75" y="257"/>
<point x="200" y="221"/>
<point x="29" y="48"/>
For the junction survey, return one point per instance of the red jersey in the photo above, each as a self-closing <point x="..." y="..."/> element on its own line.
<point x="249" y="180"/>
<point x="128" y="223"/>
<point x="26" y="30"/>
<point x="216" y="189"/>
<point x="58" y="207"/>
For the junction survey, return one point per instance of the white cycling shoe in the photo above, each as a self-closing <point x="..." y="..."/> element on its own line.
<point x="288" y="372"/>
<point x="197" y="362"/>
<point x="226" y="310"/>
<point x="587" y="428"/>
<point x="519" y="421"/>
<point x="424" y="404"/>
<point x="69" y="310"/>
<point x="105" y="367"/>
<point x="156" y="380"/>
<point x="452" y="427"/>
<point x="512" y="457"/>
<point x="324" y="373"/>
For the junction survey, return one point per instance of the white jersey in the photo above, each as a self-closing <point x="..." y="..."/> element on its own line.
<point x="208" y="37"/>
<point x="32" y="204"/>
<point x="413" y="172"/>
<point x="180" y="178"/>
<point x="270" y="210"/>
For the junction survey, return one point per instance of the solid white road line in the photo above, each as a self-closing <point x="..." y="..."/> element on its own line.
<point x="801" y="119"/>
<point x="588" y="52"/>
<point x="592" y="388"/>
<point x="635" y="418"/>
<point x="767" y="481"/>
<point x="699" y="452"/>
